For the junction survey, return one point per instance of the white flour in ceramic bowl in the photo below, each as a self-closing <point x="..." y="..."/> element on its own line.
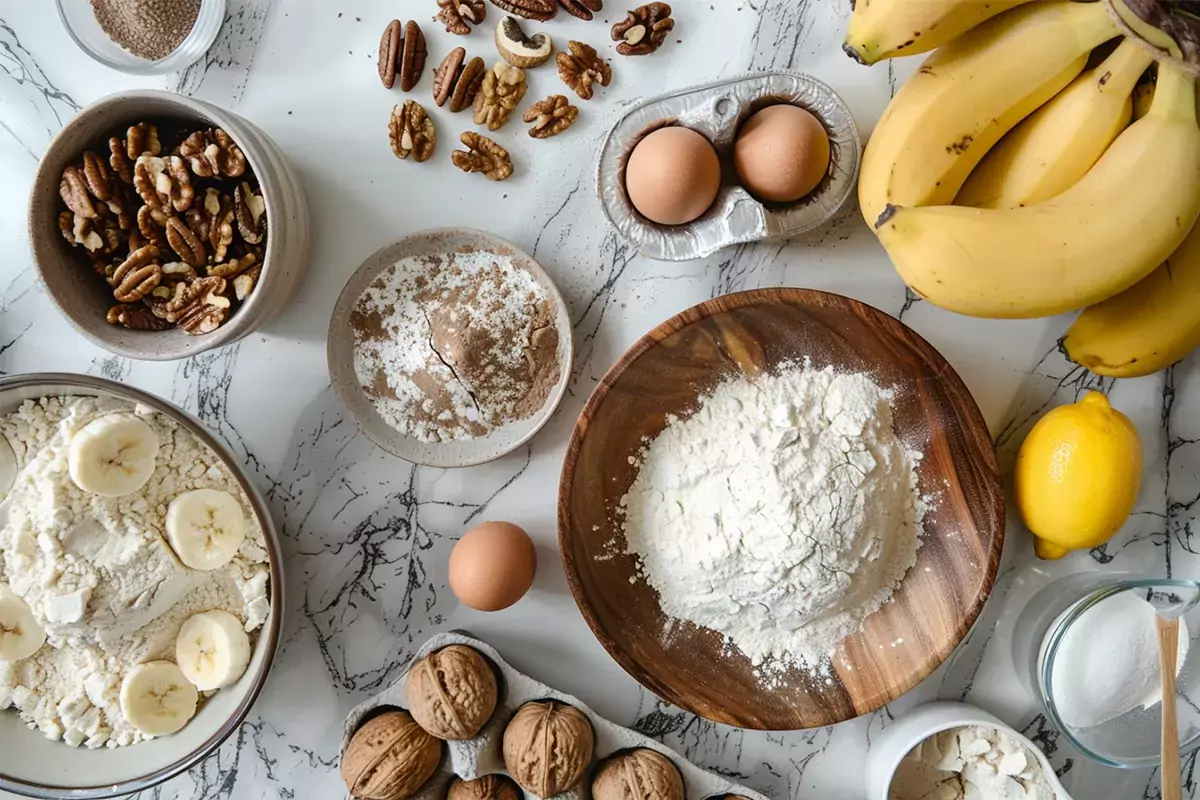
<point x="781" y="514"/>
<point x="98" y="573"/>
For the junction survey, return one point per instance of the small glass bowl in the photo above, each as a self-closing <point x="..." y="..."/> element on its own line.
<point x="80" y="22"/>
<point x="1132" y="740"/>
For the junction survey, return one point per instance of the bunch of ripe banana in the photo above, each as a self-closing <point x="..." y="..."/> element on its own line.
<point x="1007" y="179"/>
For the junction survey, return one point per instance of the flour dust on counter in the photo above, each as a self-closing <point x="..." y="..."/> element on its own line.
<point x="781" y="514"/>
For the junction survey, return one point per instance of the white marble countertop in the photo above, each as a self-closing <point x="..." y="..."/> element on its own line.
<point x="367" y="535"/>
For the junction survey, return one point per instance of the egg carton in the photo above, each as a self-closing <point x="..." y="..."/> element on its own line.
<point x="482" y="755"/>
<point x="717" y="110"/>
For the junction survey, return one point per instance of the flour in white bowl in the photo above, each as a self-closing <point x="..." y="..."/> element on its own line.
<point x="781" y="514"/>
<point x="98" y="574"/>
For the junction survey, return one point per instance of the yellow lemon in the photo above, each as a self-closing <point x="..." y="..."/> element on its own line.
<point x="1077" y="476"/>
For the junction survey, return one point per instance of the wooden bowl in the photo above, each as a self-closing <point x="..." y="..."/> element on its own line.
<point x="665" y="373"/>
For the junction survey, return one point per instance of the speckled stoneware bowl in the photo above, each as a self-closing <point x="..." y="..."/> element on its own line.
<point x="31" y="764"/>
<point x="85" y="299"/>
<point x="340" y="353"/>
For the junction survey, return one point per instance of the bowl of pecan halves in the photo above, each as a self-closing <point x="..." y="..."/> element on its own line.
<point x="163" y="226"/>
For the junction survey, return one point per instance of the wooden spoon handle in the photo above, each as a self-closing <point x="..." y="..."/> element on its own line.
<point x="1168" y="652"/>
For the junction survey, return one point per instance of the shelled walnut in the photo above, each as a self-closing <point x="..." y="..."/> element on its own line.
<point x="389" y="758"/>
<point x="551" y="116"/>
<point x="643" y="30"/>
<point x="402" y="53"/>
<point x="584" y="9"/>
<point x="582" y="67"/>
<point x="502" y="90"/>
<point x="459" y="15"/>
<point x="483" y="156"/>
<point x="457" y="81"/>
<point x="411" y="132"/>
<point x="548" y="747"/>
<point x="540" y="10"/>
<point x="166" y="228"/>
<point x="452" y="692"/>
<point x="641" y="774"/>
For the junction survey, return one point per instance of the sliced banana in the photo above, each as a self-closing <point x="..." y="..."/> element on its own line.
<point x="157" y="699"/>
<point x="206" y="527"/>
<point x="113" y="455"/>
<point x="20" y="634"/>
<point x="213" y="650"/>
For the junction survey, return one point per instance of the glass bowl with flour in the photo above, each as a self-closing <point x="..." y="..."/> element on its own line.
<point x="1087" y="648"/>
<point x="140" y="588"/>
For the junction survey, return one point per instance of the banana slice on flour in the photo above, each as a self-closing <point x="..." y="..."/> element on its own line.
<point x="212" y="650"/>
<point x="205" y="527"/>
<point x="157" y="699"/>
<point x="20" y="634"/>
<point x="113" y="455"/>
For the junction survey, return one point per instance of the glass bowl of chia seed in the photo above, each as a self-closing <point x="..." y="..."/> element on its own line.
<point x="143" y="37"/>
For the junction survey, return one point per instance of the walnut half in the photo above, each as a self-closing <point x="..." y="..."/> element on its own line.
<point x="551" y="116"/>
<point x="459" y="15"/>
<point x="483" y="156"/>
<point x="583" y="67"/>
<point x="411" y="132"/>
<point x="501" y="92"/>
<point x="643" y="30"/>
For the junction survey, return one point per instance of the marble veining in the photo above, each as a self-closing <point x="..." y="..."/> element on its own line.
<point x="366" y="536"/>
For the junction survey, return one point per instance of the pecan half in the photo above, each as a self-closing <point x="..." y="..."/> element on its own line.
<point x="136" y="317"/>
<point x="501" y="92"/>
<point x="643" y="30"/>
<point x="119" y="160"/>
<point x="584" y="9"/>
<point x="152" y="183"/>
<point x="142" y="139"/>
<point x="410" y="131"/>
<point x="458" y="82"/>
<point x="80" y="232"/>
<point x="483" y="156"/>
<point x="137" y="276"/>
<point x="582" y="68"/>
<point x="180" y="192"/>
<point x="150" y="226"/>
<point x="402" y="52"/>
<point x="185" y="243"/>
<point x="74" y="193"/>
<point x="213" y="154"/>
<point x="459" y="15"/>
<point x="551" y="116"/>
<point x="199" y="306"/>
<point x="233" y="267"/>
<point x="541" y="10"/>
<point x="95" y="174"/>
<point x="250" y="211"/>
<point x="176" y="271"/>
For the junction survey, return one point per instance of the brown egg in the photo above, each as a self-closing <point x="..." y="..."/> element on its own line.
<point x="492" y="566"/>
<point x="781" y="153"/>
<point x="673" y="176"/>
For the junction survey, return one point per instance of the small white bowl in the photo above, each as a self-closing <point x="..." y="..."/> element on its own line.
<point x="80" y="21"/>
<point x="899" y="738"/>
<point x="340" y="353"/>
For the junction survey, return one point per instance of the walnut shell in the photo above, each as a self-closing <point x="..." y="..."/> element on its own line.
<point x="638" y="775"/>
<point x="452" y="693"/>
<point x="489" y="787"/>
<point x="548" y="747"/>
<point x="390" y="758"/>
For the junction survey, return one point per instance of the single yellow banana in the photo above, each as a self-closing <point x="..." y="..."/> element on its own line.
<point x="1049" y="152"/>
<point x="970" y="93"/>
<point x="1094" y="240"/>
<point x="1147" y="327"/>
<point x="882" y="29"/>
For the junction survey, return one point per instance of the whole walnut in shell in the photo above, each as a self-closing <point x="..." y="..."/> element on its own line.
<point x="390" y="758"/>
<point x="638" y="775"/>
<point x="452" y="693"/>
<point x="548" y="747"/>
<point x="489" y="787"/>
